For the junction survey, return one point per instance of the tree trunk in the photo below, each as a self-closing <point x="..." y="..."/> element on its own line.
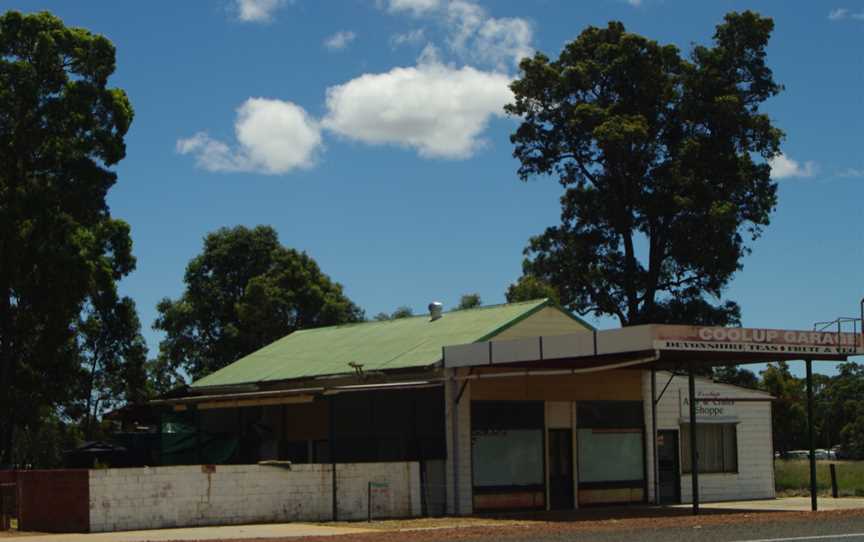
<point x="7" y="419"/>
<point x="88" y="426"/>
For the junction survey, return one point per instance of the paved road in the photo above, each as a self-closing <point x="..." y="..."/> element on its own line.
<point x="838" y="529"/>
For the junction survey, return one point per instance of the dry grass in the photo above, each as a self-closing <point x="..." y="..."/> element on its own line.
<point x="792" y="477"/>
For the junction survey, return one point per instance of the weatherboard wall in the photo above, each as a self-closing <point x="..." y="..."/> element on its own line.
<point x="755" y="476"/>
<point x="548" y="321"/>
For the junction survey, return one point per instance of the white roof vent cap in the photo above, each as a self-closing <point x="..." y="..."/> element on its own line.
<point x="435" y="310"/>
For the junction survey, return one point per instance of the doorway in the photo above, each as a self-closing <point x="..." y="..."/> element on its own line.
<point x="668" y="467"/>
<point x="560" y="469"/>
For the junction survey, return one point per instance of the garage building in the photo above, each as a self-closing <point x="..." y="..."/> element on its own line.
<point x="508" y="407"/>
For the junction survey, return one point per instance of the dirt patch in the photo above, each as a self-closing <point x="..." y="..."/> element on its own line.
<point x="462" y="528"/>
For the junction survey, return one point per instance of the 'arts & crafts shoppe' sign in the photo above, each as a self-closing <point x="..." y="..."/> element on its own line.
<point x="710" y="407"/>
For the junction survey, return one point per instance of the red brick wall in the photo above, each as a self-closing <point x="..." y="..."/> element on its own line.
<point x="7" y="476"/>
<point x="54" y="501"/>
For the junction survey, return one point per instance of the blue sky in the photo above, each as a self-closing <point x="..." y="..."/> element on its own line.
<point x="369" y="133"/>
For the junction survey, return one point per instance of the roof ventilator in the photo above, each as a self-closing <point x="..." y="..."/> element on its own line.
<point x="435" y="310"/>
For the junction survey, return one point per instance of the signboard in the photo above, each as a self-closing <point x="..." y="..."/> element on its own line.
<point x="756" y="340"/>
<point x="710" y="407"/>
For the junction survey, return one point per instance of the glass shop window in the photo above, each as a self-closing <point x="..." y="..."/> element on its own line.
<point x="610" y="455"/>
<point x="507" y="444"/>
<point x="610" y="441"/>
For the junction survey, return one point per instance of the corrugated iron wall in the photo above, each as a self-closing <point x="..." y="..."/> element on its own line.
<point x="54" y="501"/>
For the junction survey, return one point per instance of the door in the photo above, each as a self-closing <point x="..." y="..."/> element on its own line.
<point x="669" y="467"/>
<point x="560" y="469"/>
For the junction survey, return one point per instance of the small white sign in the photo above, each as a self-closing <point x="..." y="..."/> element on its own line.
<point x="710" y="407"/>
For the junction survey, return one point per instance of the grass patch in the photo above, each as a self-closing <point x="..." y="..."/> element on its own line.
<point x="792" y="477"/>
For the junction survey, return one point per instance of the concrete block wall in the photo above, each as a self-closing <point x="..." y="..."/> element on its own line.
<point x="458" y="451"/>
<point x="755" y="476"/>
<point x="395" y="492"/>
<point x="182" y="496"/>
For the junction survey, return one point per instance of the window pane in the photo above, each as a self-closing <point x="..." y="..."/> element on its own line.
<point x="607" y="456"/>
<point x="730" y="448"/>
<point x="507" y="457"/>
<point x="716" y="446"/>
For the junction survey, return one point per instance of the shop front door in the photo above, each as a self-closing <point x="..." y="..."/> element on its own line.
<point x="669" y="467"/>
<point x="560" y="469"/>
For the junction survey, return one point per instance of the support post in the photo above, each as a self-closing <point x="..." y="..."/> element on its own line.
<point x="656" y="463"/>
<point x="694" y="455"/>
<point x="335" y="503"/>
<point x="810" y="435"/>
<point x="454" y="414"/>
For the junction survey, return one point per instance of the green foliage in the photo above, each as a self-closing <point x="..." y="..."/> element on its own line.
<point x="841" y="407"/>
<point x="401" y="312"/>
<point x="529" y="287"/>
<point x="43" y="439"/>
<point x="788" y="412"/>
<point x="114" y="358"/>
<point x="469" y="301"/>
<point x="736" y="376"/>
<point x="61" y="129"/>
<point x="664" y="163"/>
<point x="244" y="291"/>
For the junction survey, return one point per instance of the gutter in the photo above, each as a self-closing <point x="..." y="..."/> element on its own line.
<point x="297" y="392"/>
<point x="553" y="372"/>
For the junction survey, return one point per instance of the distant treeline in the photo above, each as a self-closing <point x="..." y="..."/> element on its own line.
<point x="838" y="405"/>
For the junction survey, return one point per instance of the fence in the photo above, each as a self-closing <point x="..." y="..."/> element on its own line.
<point x="99" y="500"/>
<point x="8" y="506"/>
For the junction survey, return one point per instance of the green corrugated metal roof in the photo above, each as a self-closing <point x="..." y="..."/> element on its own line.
<point x="407" y="342"/>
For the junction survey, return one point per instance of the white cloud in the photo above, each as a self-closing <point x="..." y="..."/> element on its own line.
<point x="840" y="14"/>
<point x="413" y="37"/>
<point x="783" y="167"/>
<point x="438" y="110"/>
<point x="471" y="33"/>
<point x="475" y="35"/>
<point x="257" y="11"/>
<point x="273" y="137"/>
<point x="851" y="172"/>
<point x="415" y="7"/>
<point x="339" y="40"/>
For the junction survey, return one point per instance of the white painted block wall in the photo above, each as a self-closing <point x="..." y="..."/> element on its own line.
<point x="755" y="477"/>
<point x="160" y="497"/>
<point x="400" y="497"/>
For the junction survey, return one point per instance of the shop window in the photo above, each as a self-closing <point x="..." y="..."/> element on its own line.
<point x="507" y="445"/>
<point x="610" y="441"/>
<point x="611" y="456"/>
<point x="716" y="447"/>
<point x="507" y="458"/>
